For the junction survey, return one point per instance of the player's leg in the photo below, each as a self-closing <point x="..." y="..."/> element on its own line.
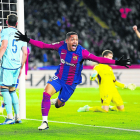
<point x="5" y="81"/>
<point x="87" y="108"/>
<point x="65" y="93"/>
<point x="15" y="103"/>
<point x="105" y="101"/>
<point x="51" y="88"/>
<point x="45" y="105"/>
<point x="8" y="105"/>
<point x="117" y="100"/>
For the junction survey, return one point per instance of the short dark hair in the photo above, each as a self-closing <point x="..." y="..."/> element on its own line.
<point x="106" y="52"/>
<point x="12" y="19"/>
<point x="70" y="33"/>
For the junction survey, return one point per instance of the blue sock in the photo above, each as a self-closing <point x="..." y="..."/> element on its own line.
<point x="15" y="102"/>
<point x="7" y="100"/>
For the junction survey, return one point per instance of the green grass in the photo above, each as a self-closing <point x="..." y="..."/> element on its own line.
<point x="66" y="123"/>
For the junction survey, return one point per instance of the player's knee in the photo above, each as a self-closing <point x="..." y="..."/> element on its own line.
<point x="56" y="105"/>
<point x="12" y="89"/>
<point x="14" y="97"/>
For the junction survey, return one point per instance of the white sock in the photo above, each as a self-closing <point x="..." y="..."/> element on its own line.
<point x="45" y="118"/>
<point x="10" y="116"/>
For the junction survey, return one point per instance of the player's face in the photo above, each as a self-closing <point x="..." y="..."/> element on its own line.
<point x="72" y="42"/>
<point x="110" y="56"/>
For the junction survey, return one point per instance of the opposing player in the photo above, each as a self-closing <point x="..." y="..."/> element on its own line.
<point x="11" y="68"/>
<point x="68" y="74"/>
<point x="107" y="86"/>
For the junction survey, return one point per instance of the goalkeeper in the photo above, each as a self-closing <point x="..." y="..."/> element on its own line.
<point x="108" y="91"/>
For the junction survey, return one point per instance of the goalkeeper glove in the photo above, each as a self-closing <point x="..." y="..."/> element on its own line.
<point x="123" y="62"/>
<point x="91" y="78"/>
<point x="22" y="37"/>
<point x="131" y="86"/>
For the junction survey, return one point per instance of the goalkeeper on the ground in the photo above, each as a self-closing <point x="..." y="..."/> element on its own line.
<point x="107" y="87"/>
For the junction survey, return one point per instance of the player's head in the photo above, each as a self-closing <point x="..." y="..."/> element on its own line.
<point x="72" y="41"/>
<point x="107" y="54"/>
<point x="12" y="20"/>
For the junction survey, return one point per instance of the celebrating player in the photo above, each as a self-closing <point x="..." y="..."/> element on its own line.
<point x="11" y="68"/>
<point x="68" y="74"/>
<point x="108" y="91"/>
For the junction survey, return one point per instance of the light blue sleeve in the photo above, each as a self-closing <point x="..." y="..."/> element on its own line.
<point x="24" y="44"/>
<point x="4" y="35"/>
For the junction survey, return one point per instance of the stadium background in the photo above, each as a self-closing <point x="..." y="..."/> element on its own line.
<point x="100" y="25"/>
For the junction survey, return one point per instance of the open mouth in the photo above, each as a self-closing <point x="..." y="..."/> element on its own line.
<point x="74" y="46"/>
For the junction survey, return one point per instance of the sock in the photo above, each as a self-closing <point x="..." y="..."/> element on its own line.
<point x="15" y="103"/>
<point x="97" y="109"/>
<point x="46" y="104"/>
<point x="7" y="102"/>
<point x="45" y="118"/>
<point x="113" y="108"/>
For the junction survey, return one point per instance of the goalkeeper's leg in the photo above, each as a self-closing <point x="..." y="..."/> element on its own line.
<point x="94" y="109"/>
<point x="121" y="108"/>
<point x="99" y="109"/>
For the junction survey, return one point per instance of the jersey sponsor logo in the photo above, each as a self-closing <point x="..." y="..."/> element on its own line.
<point x="75" y="58"/>
<point x="63" y="53"/>
<point x="65" y="62"/>
<point x="15" y="60"/>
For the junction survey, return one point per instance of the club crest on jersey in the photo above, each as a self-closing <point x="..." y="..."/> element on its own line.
<point x="74" y="58"/>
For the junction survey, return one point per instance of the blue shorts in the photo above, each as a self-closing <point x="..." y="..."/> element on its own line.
<point x="9" y="77"/>
<point x="65" y="90"/>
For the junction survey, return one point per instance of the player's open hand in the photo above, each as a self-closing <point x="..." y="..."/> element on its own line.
<point x="131" y="86"/>
<point x="21" y="36"/>
<point x="123" y="62"/>
<point x="134" y="27"/>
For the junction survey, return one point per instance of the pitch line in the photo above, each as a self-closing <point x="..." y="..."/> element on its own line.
<point x="131" y="130"/>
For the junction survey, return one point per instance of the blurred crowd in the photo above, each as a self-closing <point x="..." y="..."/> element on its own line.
<point x="50" y="20"/>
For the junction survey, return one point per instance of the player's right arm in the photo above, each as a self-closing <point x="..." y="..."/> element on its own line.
<point x="40" y="44"/>
<point x="4" y="39"/>
<point x="136" y="31"/>
<point x="3" y="47"/>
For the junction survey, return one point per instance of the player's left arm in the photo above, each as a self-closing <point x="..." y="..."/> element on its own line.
<point x="119" y="84"/>
<point x="3" y="47"/>
<point x="122" y="62"/>
<point x="94" y="73"/>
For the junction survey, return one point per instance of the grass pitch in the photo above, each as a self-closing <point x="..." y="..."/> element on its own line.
<point x="66" y="123"/>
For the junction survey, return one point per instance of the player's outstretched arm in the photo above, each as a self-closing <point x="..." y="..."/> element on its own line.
<point x="39" y="44"/>
<point x="136" y="31"/>
<point x="122" y="62"/>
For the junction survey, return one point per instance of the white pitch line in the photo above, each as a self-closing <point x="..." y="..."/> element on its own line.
<point x="131" y="130"/>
